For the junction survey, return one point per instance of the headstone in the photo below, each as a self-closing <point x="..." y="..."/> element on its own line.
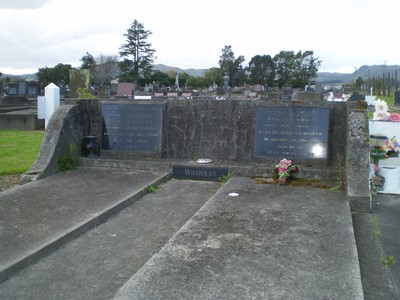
<point x="12" y="89"/>
<point x="78" y="79"/>
<point x="357" y="97"/>
<point x="22" y="88"/>
<point x="221" y="91"/>
<point x="159" y="95"/>
<point x="48" y="103"/>
<point x="257" y="88"/>
<point x="33" y="90"/>
<point x="252" y="95"/>
<point x="125" y="89"/>
<point x="292" y="132"/>
<point x="226" y="82"/>
<point x="287" y="93"/>
<point x="132" y="127"/>
<point x="397" y="97"/>
<point x="197" y="172"/>
<point x="172" y="95"/>
<point x="113" y="88"/>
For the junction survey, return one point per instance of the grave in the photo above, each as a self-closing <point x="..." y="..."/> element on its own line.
<point x="246" y="136"/>
<point x="125" y="89"/>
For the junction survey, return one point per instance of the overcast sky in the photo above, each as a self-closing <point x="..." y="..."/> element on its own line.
<point x="344" y="34"/>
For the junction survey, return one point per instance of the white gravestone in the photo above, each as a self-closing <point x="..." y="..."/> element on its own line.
<point x="48" y="103"/>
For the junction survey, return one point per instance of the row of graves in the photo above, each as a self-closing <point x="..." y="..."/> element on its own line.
<point x="21" y="88"/>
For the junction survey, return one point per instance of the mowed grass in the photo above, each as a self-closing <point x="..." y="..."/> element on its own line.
<point x="18" y="150"/>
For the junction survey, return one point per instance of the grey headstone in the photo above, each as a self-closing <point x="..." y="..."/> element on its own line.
<point x="132" y="127"/>
<point x="292" y="132"/>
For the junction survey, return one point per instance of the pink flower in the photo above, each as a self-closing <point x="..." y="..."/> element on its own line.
<point x="394" y="117"/>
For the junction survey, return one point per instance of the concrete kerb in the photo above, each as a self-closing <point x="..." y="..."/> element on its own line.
<point x="376" y="279"/>
<point x="36" y="254"/>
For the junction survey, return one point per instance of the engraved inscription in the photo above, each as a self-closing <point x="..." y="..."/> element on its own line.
<point x="132" y="127"/>
<point x="206" y="173"/>
<point x="300" y="132"/>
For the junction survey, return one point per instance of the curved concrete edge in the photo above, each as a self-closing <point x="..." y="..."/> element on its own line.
<point x="67" y="126"/>
<point x="46" y="162"/>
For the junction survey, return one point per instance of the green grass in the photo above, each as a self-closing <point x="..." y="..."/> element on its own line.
<point x="18" y="150"/>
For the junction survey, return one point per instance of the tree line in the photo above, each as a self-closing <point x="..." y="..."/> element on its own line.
<point x="136" y="57"/>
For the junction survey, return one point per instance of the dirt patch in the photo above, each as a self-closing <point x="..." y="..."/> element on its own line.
<point x="315" y="183"/>
<point x="9" y="181"/>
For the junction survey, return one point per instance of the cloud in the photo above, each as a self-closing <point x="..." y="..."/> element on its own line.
<point x="344" y="35"/>
<point x="22" y="4"/>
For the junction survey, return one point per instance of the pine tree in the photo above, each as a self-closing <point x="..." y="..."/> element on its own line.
<point x="137" y="54"/>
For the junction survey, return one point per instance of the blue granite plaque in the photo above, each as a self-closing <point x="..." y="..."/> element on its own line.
<point x="292" y="132"/>
<point x="132" y="127"/>
<point x="197" y="172"/>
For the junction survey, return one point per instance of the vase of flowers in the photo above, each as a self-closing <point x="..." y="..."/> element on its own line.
<point x="283" y="170"/>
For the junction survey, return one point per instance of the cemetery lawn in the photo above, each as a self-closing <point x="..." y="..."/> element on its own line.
<point x="18" y="150"/>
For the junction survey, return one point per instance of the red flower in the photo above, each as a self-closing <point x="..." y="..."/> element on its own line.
<point x="394" y="117"/>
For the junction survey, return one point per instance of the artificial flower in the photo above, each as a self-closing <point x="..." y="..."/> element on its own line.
<point x="381" y="111"/>
<point x="394" y="117"/>
<point x="381" y="106"/>
<point x="283" y="170"/>
<point x="391" y="145"/>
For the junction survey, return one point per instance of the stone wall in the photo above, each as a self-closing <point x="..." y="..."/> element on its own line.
<point x="222" y="130"/>
<point x="225" y="130"/>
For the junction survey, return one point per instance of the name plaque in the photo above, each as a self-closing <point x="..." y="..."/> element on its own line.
<point x="194" y="172"/>
<point x="292" y="132"/>
<point x="132" y="127"/>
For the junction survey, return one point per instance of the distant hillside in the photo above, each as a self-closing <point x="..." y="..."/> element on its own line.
<point x="27" y="77"/>
<point x="191" y="72"/>
<point x="364" y="72"/>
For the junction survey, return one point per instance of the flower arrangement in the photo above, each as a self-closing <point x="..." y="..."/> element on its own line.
<point x="391" y="146"/>
<point x="381" y="111"/>
<point x="283" y="170"/>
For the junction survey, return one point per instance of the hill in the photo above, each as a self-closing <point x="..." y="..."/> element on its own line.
<point x="364" y="72"/>
<point x="192" y="72"/>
